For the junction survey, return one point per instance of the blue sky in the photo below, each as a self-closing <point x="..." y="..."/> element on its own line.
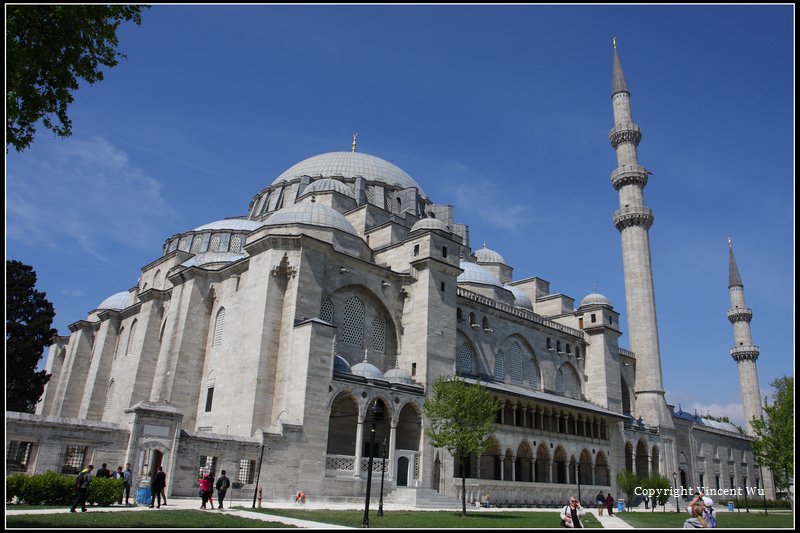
<point x="501" y="111"/>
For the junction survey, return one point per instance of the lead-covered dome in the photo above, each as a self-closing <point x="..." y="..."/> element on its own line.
<point x="521" y="299"/>
<point x="367" y="370"/>
<point x="312" y="213"/>
<point x="399" y="375"/>
<point x="115" y="301"/>
<point x="485" y="255"/>
<point x="327" y="184"/>
<point x="595" y="298"/>
<point x="477" y="274"/>
<point x="232" y="224"/>
<point x="429" y="223"/>
<point x="350" y="165"/>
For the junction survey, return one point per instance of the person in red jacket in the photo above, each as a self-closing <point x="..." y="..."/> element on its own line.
<point x="205" y="490"/>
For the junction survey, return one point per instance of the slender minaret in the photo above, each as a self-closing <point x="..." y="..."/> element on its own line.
<point x="633" y="220"/>
<point x="744" y="353"/>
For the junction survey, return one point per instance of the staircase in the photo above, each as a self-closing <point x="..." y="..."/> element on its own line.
<point x="420" y="498"/>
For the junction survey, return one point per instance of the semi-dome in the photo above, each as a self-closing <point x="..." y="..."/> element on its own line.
<point x="521" y="299"/>
<point x="429" y="223"/>
<point x="485" y="255"/>
<point x="341" y="365"/>
<point x="474" y="273"/>
<point x="312" y="213"/>
<point x="350" y="165"/>
<point x="231" y="224"/>
<point x="327" y="184"/>
<point x="115" y="301"/>
<point x="595" y="298"/>
<point x="399" y="375"/>
<point x="366" y="370"/>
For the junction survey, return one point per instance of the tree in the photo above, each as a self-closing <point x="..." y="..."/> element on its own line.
<point x="627" y="483"/>
<point x="774" y="447"/>
<point x="48" y="47"/>
<point x="28" y="319"/>
<point x="661" y="487"/>
<point x="461" y="421"/>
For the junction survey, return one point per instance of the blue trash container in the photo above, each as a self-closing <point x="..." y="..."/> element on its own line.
<point x="730" y="506"/>
<point x="143" y="496"/>
<point x="620" y="505"/>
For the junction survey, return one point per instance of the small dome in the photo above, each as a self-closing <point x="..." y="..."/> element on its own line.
<point x="350" y="165"/>
<point x="312" y="213"/>
<point x="477" y="274"/>
<point x="115" y="301"/>
<point x="485" y="255"/>
<point x="367" y="370"/>
<point x="429" y="223"/>
<point x="232" y="224"/>
<point x="327" y="184"/>
<point x="595" y="298"/>
<point x="399" y="375"/>
<point x="340" y="365"/>
<point x="521" y="299"/>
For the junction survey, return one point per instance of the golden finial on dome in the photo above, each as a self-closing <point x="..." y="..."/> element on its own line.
<point x="354" y="141"/>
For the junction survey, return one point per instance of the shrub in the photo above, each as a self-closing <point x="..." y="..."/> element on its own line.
<point x="50" y="488"/>
<point x="15" y="484"/>
<point x="104" y="491"/>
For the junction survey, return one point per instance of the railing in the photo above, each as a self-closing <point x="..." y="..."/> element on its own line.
<point x="521" y="313"/>
<point x="627" y="353"/>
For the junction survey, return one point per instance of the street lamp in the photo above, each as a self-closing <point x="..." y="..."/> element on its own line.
<point x="377" y="412"/>
<point x="383" y="473"/>
<point x="578" y="478"/>
<point x="764" y="492"/>
<point x="675" y="479"/>
<point x="746" y="504"/>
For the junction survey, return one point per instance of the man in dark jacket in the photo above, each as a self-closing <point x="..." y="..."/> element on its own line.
<point x="222" y="487"/>
<point x="157" y="485"/>
<point x="103" y="471"/>
<point x="82" y="486"/>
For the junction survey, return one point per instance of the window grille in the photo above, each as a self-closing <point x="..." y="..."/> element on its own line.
<point x="73" y="459"/>
<point x="499" y="365"/>
<point x="18" y="455"/>
<point x="208" y="464"/>
<point x="560" y="382"/>
<point x="247" y="469"/>
<point x="196" y="244"/>
<point x="131" y="335"/>
<point x="219" y="326"/>
<point x="379" y="334"/>
<point x="157" y="280"/>
<point x="516" y="364"/>
<point x="465" y="358"/>
<point x="533" y="374"/>
<point x="353" y="327"/>
<point x="326" y="311"/>
<point x="209" y="399"/>
<point x="184" y="244"/>
<point x="215" y="240"/>
<point x="236" y="244"/>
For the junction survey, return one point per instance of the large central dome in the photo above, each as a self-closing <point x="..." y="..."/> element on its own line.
<point x="350" y="165"/>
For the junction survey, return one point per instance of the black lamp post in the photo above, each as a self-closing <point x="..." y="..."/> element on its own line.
<point x="746" y="504"/>
<point x="764" y="492"/>
<point x="258" y="476"/>
<point x="383" y="473"/>
<point x="377" y="412"/>
<point x="675" y="479"/>
<point x="578" y="478"/>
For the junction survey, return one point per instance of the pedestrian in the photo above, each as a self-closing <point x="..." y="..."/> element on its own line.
<point x="205" y="489"/>
<point x="601" y="503"/>
<point x="103" y="471"/>
<point x="646" y="501"/>
<point x="696" y="520"/>
<point x="82" y="483"/>
<point x="707" y="506"/>
<point x="571" y="513"/>
<point x="157" y="485"/>
<point x="222" y="487"/>
<point x="120" y="476"/>
<point x="211" y="490"/>
<point x="126" y="483"/>
<point x="610" y="504"/>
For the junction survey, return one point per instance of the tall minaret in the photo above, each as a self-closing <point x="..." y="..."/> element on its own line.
<point x="744" y="353"/>
<point x="633" y="220"/>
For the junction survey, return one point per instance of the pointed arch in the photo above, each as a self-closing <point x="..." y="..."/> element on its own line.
<point x="131" y="337"/>
<point x="379" y="334"/>
<point x="219" y="326"/>
<point x="601" y="473"/>
<point x="466" y="358"/>
<point x="326" y="311"/>
<point x="500" y="366"/>
<point x="353" y="326"/>
<point x="109" y="398"/>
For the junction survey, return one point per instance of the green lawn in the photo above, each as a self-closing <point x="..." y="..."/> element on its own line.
<point x="136" y="519"/>
<point x="754" y="519"/>
<point x="433" y="519"/>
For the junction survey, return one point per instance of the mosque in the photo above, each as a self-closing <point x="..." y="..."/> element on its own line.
<point x="291" y="345"/>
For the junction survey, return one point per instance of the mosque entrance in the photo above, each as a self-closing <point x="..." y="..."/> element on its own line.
<point x="402" y="472"/>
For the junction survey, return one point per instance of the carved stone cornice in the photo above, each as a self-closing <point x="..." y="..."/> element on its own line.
<point x="633" y="216"/>
<point x="740" y="314"/>
<point x="629" y="175"/>
<point x="625" y="133"/>
<point x="744" y="353"/>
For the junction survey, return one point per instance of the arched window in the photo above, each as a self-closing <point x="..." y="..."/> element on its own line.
<point x="465" y="356"/>
<point x="567" y="382"/>
<point x="472" y="320"/>
<point x="569" y="350"/>
<point x="379" y="334"/>
<point x="500" y="365"/>
<point x="516" y="364"/>
<point x="558" y="346"/>
<point x="459" y="314"/>
<point x="215" y="242"/>
<point x="157" y="279"/>
<point x="353" y="327"/>
<point x="533" y="373"/>
<point x="197" y="244"/>
<point x="559" y="382"/>
<point x="219" y="326"/>
<point x="549" y="343"/>
<point x="326" y="311"/>
<point x="485" y="323"/>
<point x="236" y="244"/>
<point x="131" y="336"/>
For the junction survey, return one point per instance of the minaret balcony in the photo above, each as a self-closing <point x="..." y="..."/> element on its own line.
<point x="625" y="133"/>
<point x="744" y="353"/>
<point x="629" y="175"/>
<point x="633" y="216"/>
<point x="740" y="314"/>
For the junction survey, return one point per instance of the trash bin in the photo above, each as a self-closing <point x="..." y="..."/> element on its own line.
<point x="730" y="506"/>
<point x="620" y="505"/>
<point x="143" y="496"/>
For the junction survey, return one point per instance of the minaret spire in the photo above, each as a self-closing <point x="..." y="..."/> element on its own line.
<point x="633" y="220"/>
<point x="744" y="352"/>
<point x="355" y="135"/>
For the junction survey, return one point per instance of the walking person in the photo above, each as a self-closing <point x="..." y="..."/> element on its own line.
<point x="205" y="489"/>
<point x="82" y="483"/>
<point x="222" y="487"/>
<point x="600" y="501"/>
<point x="610" y="504"/>
<point x="571" y="513"/>
<point x="211" y="490"/>
<point x="157" y="485"/>
<point x="127" y="479"/>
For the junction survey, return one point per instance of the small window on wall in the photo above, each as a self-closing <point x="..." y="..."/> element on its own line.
<point x="416" y="250"/>
<point x="73" y="459"/>
<point x="209" y="399"/>
<point x="594" y="318"/>
<point x="444" y="251"/>
<point x="442" y="286"/>
<point x="208" y="464"/>
<point x="18" y="456"/>
<point x="247" y="468"/>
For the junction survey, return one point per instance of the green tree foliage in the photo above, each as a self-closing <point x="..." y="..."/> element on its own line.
<point x="48" y="48"/>
<point x="775" y="445"/>
<point x="627" y="483"/>
<point x="656" y="481"/>
<point x="29" y="316"/>
<point x="461" y="421"/>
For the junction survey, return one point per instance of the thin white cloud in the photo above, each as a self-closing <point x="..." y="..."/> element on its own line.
<point x="75" y="293"/>
<point x="86" y="193"/>
<point x="481" y="198"/>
